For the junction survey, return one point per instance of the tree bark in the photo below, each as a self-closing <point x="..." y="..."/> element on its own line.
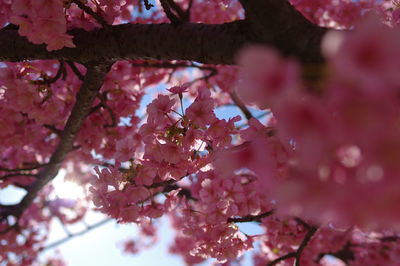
<point x="91" y="85"/>
<point x="287" y="31"/>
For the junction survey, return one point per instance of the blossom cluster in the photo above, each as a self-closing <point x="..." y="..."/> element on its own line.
<point x="317" y="172"/>
<point x="340" y="129"/>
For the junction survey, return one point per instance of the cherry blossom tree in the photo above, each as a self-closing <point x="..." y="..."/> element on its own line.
<point x="312" y="160"/>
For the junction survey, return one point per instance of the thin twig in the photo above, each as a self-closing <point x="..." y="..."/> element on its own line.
<point x="47" y="81"/>
<point x="76" y="70"/>
<point x="170" y="14"/>
<point x="73" y="235"/>
<point x="282" y="258"/>
<point x="213" y="71"/>
<point x="162" y="184"/>
<point x="250" y="218"/>
<point x="345" y="254"/>
<point x="53" y="129"/>
<point x="103" y="104"/>
<point x="242" y="125"/>
<point x="147" y="5"/>
<point x="64" y="227"/>
<point x="177" y="9"/>
<point x="89" y="11"/>
<point x="305" y="242"/>
<point x="112" y="116"/>
<point x="4" y="177"/>
<point x="188" y="10"/>
<point x="303" y="223"/>
<point x="34" y="167"/>
<point x="235" y="98"/>
<point x="174" y="11"/>
<point x="297" y="254"/>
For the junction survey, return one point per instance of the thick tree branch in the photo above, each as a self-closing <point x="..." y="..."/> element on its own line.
<point x="205" y="43"/>
<point x="88" y="92"/>
<point x="264" y="12"/>
<point x="279" y="23"/>
<point x="188" y="41"/>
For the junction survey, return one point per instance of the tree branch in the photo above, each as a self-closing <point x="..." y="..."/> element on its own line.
<point x="73" y="235"/>
<point x="88" y="92"/>
<point x="76" y="70"/>
<point x="47" y="81"/>
<point x="212" y="70"/>
<point x="215" y="44"/>
<point x="285" y="257"/>
<point x="169" y="13"/>
<point x="345" y="254"/>
<point x="238" y="102"/>
<point x="89" y="11"/>
<point x="279" y="23"/>
<point x="297" y="254"/>
<point x="4" y="177"/>
<point x="174" y="12"/>
<point x="30" y="168"/>
<point x="53" y="129"/>
<point x="250" y="218"/>
<point x="147" y="5"/>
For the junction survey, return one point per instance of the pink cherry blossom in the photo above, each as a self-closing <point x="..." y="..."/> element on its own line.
<point x="179" y="89"/>
<point x="267" y="78"/>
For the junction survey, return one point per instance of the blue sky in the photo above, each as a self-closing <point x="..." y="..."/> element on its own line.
<point x="102" y="246"/>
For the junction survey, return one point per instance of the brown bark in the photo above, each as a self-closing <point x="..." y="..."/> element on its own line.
<point x="279" y="24"/>
<point x="267" y="22"/>
<point x="87" y="93"/>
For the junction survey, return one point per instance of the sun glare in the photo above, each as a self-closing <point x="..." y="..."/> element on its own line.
<point x="67" y="189"/>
